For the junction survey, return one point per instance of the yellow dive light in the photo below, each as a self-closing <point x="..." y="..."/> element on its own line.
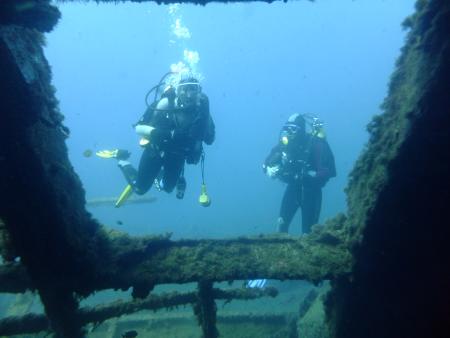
<point x="204" y="199"/>
<point x="285" y="140"/>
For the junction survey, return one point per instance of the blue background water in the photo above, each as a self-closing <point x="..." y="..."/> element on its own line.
<point x="261" y="63"/>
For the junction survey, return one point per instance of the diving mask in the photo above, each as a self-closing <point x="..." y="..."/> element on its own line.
<point x="288" y="132"/>
<point x="188" y="89"/>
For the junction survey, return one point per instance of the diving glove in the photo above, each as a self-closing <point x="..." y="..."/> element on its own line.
<point x="272" y="171"/>
<point x="311" y="173"/>
<point x="119" y="154"/>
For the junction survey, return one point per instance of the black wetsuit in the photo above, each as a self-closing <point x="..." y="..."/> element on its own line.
<point x="177" y="138"/>
<point x="303" y="190"/>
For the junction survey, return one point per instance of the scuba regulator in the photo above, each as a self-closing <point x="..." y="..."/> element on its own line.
<point x="284" y="137"/>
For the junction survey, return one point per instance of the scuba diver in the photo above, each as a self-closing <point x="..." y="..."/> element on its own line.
<point x="305" y="162"/>
<point x="172" y="130"/>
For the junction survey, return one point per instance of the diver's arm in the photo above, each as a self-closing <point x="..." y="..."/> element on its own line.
<point x="324" y="161"/>
<point x="148" y="115"/>
<point x="152" y="111"/>
<point x="327" y="160"/>
<point x="274" y="157"/>
<point x="210" y="133"/>
<point x="323" y="165"/>
<point x="210" y="128"/>
<point x="272" y="164"/>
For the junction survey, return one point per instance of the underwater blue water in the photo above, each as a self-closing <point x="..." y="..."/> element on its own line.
<point x="260" y="64"/>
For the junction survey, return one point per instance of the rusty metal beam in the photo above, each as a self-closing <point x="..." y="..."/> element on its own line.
<point x="31" y="323"/>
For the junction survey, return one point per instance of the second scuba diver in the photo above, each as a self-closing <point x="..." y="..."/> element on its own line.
<point x="172" y="130"/>
<point x="305" y="162"/>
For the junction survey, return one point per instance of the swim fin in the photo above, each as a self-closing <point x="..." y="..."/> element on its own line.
<point x="124" y="196"/>
<point x="119" y="154"/>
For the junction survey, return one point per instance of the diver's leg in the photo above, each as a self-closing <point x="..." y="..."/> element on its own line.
<point x="173" y="167"/>
<point x="312" y="203"/>
<point x="149" y="166"/>
<point x="128" y="171"/>
<point x="289" y="206"/>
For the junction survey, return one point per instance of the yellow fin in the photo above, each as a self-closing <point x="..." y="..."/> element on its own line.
<point x="107" y="153"/>
<point x="124" y="196"/>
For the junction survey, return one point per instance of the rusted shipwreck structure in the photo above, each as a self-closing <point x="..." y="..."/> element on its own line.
<point x="387" y="259"/>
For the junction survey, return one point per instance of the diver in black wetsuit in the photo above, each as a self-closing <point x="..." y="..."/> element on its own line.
<point x="172" y="132"/>
<point x="305" y="162"/>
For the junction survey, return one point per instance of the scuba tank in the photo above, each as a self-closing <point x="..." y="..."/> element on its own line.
<point x="156" y="89"/>
<point x="168" y="92"/>
<point x="316" y="125"/>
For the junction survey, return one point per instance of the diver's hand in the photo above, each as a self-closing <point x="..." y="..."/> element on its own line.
<point x="311" y="173"/>
<point x="272" y="171"/>
<point x="310" y="178"/>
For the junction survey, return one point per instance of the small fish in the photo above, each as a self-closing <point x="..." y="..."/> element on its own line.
<point x="87" y="153"/>
<point x="129" y="334"/>
<point x="119" y="222"/>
